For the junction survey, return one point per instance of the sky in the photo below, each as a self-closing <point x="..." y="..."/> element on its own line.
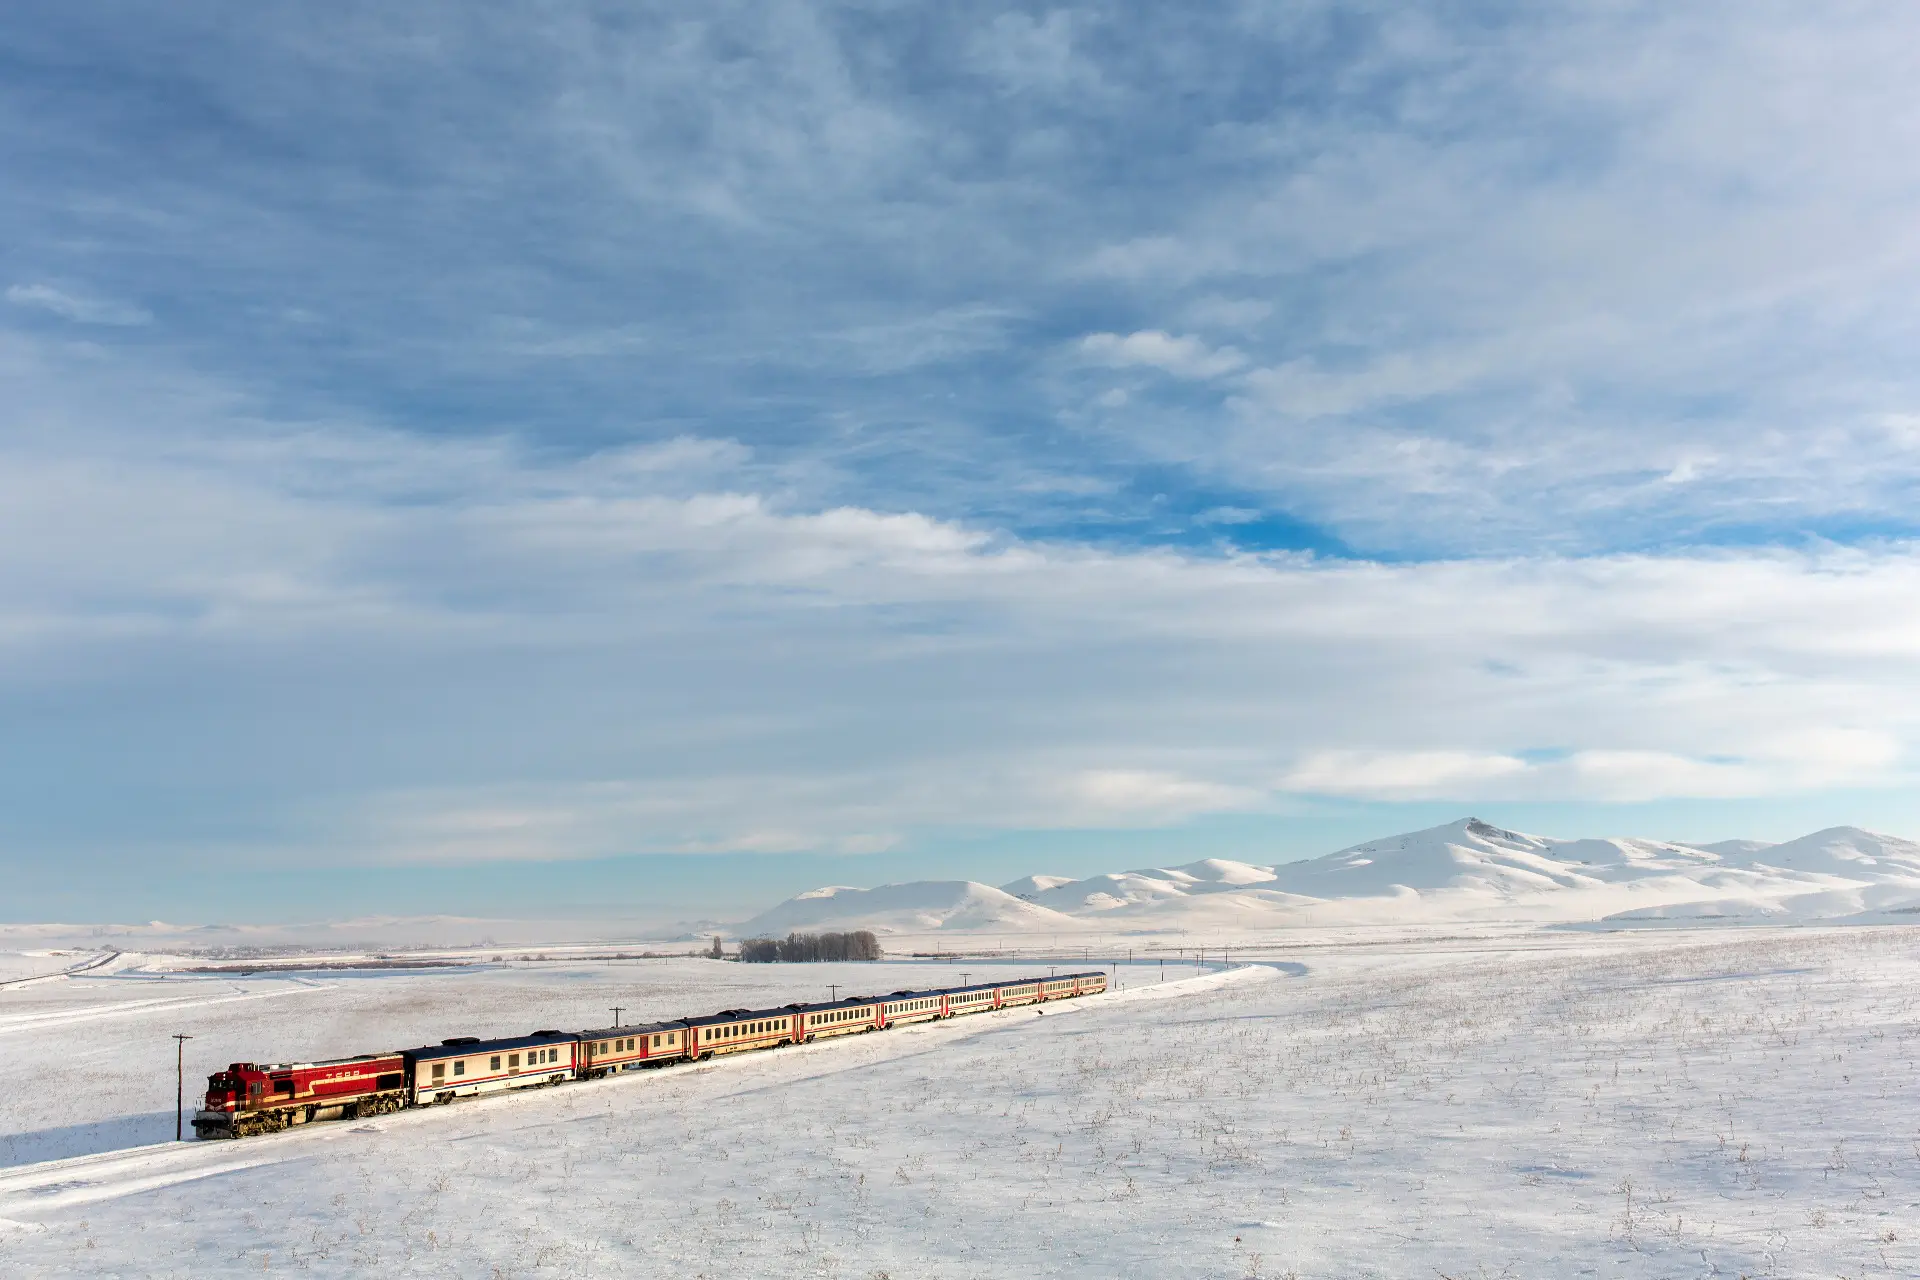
<point x="652" y="458"/>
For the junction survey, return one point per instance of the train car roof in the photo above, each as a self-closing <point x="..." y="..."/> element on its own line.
<point x="632" y="1029"/>
<point x="469" y="1047"/>
<point x="740" y="1015"/>
<point x="1021" y="982"/>
<point x="851" y="1002"/>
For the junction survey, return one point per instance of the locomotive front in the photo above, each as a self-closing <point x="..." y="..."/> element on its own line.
<point x="227" y="1095"/>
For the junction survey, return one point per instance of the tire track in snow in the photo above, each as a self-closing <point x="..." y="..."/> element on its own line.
<point x="93" y="1013"/>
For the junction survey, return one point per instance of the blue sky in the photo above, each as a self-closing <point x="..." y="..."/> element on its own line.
<point x="651" y="458"/>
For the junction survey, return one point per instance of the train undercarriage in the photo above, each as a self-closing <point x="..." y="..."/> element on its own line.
<point x="244" y="1124"/>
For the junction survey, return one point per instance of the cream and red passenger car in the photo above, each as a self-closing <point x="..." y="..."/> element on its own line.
<point x="466" y="1066"/>
<point x="851" y="1016"/>
<point x="734" y="1030"/>
<point x="613" y="1049"/>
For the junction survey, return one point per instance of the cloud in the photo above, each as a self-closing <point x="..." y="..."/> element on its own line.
<point x="1399" y="774"/>
<point x="78" y="308"/>
<point x="1181" y="356"/>
<point x="1819" y="757"/>
<point x="1487" y="280"/>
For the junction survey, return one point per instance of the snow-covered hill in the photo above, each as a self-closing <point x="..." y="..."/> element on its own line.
<point x="1464" y="870"/>
<point x="907" y="908"/>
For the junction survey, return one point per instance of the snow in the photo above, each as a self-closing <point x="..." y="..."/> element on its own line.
<point x="1533" y="1103"/>
<point x="1463" y="871"/>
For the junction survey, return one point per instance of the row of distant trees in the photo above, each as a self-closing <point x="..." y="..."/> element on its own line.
<point x="804" y="948"/>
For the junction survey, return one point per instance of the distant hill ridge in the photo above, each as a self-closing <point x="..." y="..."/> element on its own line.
<point x="1464" y="870"/>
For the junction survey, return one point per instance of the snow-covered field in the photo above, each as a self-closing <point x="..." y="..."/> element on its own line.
<point x="1551" y="1104"/>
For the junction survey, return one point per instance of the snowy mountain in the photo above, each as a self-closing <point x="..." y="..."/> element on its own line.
<point x="1464" y="870"/>
<point x="906" y="908"/>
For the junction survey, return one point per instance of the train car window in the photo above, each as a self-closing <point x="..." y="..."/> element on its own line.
<point x="460" y="1068"/>
<point x="493" y="1063"/>
<point x="439" y="1070"/>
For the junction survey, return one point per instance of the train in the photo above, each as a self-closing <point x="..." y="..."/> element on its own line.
<point x="251" y="1098"/>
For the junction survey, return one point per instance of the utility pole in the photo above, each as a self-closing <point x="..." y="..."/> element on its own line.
<point x="179" y="1083"/>
<point x="833" y="992"/>
<point x="964" y="977"/>
<point x="616" y="1014"/>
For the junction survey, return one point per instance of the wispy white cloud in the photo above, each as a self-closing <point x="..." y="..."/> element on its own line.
<point x="77" y="307"/>
<point x="1400" y="774"/>
<point x="1181" y="355"/>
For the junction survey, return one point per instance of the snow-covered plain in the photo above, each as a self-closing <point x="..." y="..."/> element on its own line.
<point x="1661" y="1103"/>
